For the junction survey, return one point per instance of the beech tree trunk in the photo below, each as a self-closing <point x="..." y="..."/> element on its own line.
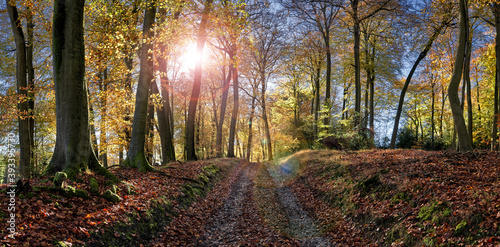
<point x="167" y="147"/>
<point x="103" y="150"/>
<point x="136" y="153"/>
<point x="265" y="120"/>
<point x="357" y="63"/>
<point x="316" y="100"/>
<point x="250" y="123"/>
<point x="467" y="84"/>
<point x="22" y="84"/>
<point x="31" y="86"/>
<point x="73" y="152"/>
<point x="223" y="104"/>
<point x="494" y="129"/>
<point x="234" y="115"/>
<point x="163" y="113"/>
<point x="195" y="94"/>
<point x="464" y="142"/>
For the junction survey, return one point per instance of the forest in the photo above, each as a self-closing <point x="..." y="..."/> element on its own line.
<point x="255" y="79"/>
<point x="96" y="90"/>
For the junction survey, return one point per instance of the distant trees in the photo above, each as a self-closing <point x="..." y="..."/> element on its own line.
<point x="273" y="80"/>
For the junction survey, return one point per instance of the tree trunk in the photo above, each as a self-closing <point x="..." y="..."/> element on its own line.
<point x="464" y="142"/>
<point x="433" y="99"/>
<point x="167" y="152"/>
<point x="103" y="156"/>
<point x="31" y="85"/>
<point x="136" y="153"/>
<point x="73" y="152"/>
<point x="357" y="63"/>
<point x="250" y="123"/>
<point x="93" y="133"/>
<point x="264" y="118"/>
<point x="150" y="126"/>
<point x="193" y="101"/>
<point x="163" y="113"/>
<point x="234" y="115"/>
<point x="468" y="86"/>
<point x="494" y="129"/>
<point x="317" y="100"/>
<point x="408" y="80"/>
<point x="326" y="120"/>
<point x="225" y="90"/>
<point x="22" y="84"/>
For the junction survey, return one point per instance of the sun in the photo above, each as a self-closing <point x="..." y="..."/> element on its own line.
<point x="191" y="56"/>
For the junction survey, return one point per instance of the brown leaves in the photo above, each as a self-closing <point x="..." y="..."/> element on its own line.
<point x="411" y="181"/>
<point x="48" y="216"/>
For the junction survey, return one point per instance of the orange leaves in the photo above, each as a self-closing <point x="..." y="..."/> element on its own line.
<point x="468" y="183"/>
<point x="49" y="216"/>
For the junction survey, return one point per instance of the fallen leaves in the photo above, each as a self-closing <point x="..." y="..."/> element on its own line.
<point x="46" y="217"/>
<point x="409" y="181"/>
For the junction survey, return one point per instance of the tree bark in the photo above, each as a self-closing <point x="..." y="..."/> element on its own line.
<point x="22" y="92"/>
<point x="250" y="123"/>
<point x="464" y="142"/>
<point x="234" y="114"/>
<point x="223" y="104"/>
<point x="150" y="126"/>
<point x="466" y="77"/>
<point x="136" y="153"/>
<point x="163" y="113"/>
<point x="73" y="152"/>
<point x="357" y="63"/>
<point x="103" y="156"/>
<point x="31" y="85"/>
<point x="265" y="120"/>
<point x="316" y="100"/>
<point x="494" y="128"/>
<point x="195" y="94"/>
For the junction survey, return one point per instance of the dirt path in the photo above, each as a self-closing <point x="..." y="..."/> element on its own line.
<point x="224" y="228"/>
<point x="234" y="214"/>
<point x="226" y="225"/>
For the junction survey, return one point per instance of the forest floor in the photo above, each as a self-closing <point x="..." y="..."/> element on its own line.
<point x="311" y="198"/>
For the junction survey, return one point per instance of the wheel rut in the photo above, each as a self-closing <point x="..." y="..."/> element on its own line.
<point x="235" y="222"/>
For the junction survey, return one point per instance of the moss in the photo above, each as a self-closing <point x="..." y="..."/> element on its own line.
<point x="398" y="234"/>
<point x="72" y="171"/>
<point x="94" y="186"/>
<point x="113" y="188"/>
<point x="435" y="212"/>
<point x="461" y="228"/>
<point x="400" y="197"/>
<point x="202" y="178"/>
<point x="59" y="178"/>
<point x="69" y="190"/>
<point x="130" y="188"/>
<point x="370" y="183"/>
<point x="81" y="193"/>
<point x="60" y="244"/>
<point x="429" y="241"/>
<point x="110" y="196"/>
<point x="210" y="170"/>
<point x="30" y="195"/>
